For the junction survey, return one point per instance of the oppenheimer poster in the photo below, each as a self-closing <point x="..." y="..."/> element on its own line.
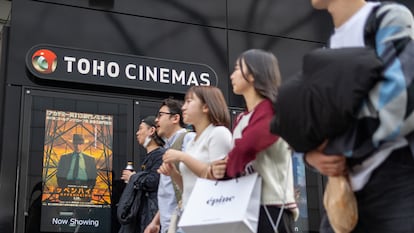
<point x="77" y="172"/>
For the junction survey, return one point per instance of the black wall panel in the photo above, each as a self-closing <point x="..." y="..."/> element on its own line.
<point x="211" y="32"/>
<point x="9" y="168"/>
<point x="288" y="51"/>
<point x="112" y="32"/>
<point x="291" y="19"/>
<point x="207" y="13"/>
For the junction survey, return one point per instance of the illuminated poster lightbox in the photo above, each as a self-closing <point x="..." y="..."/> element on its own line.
<point x="77" y="172"/>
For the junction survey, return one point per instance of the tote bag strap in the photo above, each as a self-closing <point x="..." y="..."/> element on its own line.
<point x="279" y="217"/>
<point x="177" y="145"/>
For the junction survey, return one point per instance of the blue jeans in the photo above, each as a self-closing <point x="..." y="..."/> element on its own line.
<point x="386" y="203"/>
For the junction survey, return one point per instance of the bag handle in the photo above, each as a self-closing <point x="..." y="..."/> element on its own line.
<point x="177" y="145"/>
<point x="279" y="217"/>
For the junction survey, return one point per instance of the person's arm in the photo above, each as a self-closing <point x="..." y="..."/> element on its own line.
<point x="59" y="173"/>
<point x="197" y="167"/>
<point x="169" y="169"/>
<point x="62" y="169"/>
<point x="218" y="169"/>
<point x="126" y="175"/>
<point x="92" y="171"/>
<point x="328" y="165"/>
<point x="385" y="118"/>
<point x="150" y="183"/>
<point x="155" y="225"/>
<point x="218" y="145"/>
<point x="394" y="37"/>
<point x="255" y="137"/>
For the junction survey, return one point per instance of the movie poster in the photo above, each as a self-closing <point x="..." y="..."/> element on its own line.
<point x="77" y="172"/>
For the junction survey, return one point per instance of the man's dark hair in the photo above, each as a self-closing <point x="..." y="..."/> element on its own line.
<point x="174" y="107"/>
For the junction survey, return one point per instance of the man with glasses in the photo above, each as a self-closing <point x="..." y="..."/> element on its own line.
<point x="171" y="128"/>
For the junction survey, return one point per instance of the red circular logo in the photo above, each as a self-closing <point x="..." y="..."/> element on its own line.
<point x="44" y="61"/>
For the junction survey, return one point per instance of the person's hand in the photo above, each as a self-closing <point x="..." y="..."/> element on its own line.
<point x="126" y="175"/>
<point x="172" y="156"/>
<point x="166" y="169"/>
<point x="328" y="165"/>
<point x="218" y="168"/>
<point x="152" y="228"/>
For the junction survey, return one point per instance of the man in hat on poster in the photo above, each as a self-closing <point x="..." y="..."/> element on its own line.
<point x="76" y="169"/>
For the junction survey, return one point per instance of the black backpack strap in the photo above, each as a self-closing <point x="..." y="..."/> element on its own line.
<point x="372" y="24"/>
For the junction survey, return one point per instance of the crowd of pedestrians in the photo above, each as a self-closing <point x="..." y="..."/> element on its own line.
<point x="374" y="152"/>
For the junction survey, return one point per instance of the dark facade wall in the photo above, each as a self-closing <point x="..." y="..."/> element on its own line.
<point x="9" y="159"/>
<point x="211" y="32"/>
<point x="3" y="52"/>
<point x="207" y="33"/>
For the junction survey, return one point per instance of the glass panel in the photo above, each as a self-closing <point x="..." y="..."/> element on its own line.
<point x="77" y="172"/>
<point x="299" y="175"/>
<point x="103" y="125"/>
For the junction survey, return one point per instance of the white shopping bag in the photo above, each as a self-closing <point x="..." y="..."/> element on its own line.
<point x="223" y="206"/>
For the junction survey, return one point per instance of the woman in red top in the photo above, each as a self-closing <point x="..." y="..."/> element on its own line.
<point x="257" y="78"/>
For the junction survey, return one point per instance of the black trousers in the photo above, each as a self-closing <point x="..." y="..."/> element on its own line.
<point x="386" y="203"/>
<point x="285" y="225"/>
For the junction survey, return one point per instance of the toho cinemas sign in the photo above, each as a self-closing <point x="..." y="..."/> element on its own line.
<point x="56" y="63"/>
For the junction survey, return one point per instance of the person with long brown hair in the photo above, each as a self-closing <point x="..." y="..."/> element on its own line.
<point x="256" y="77"/>
<point x="206" y="110"/>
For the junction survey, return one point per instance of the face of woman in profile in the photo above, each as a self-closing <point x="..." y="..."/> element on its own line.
<point x="192" y="109"/>
<point x="239" y="83"/>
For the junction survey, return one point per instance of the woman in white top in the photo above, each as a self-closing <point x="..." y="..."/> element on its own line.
<point x="206" y="110"/>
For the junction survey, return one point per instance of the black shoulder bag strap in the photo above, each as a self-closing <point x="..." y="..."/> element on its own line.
<point x="372" y="24"/>
<point x="178" y="143"/>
